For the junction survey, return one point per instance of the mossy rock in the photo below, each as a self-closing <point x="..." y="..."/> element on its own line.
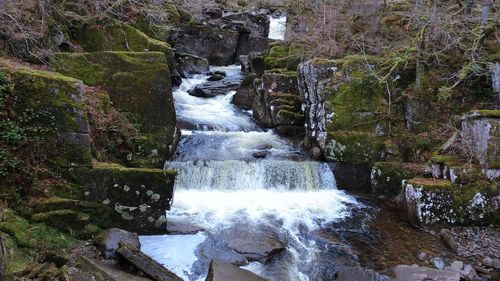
<point x="56" y="103"/>
<point x="63" y="219"/>
<point x="138" y="197"/>
<point x="386" y="177"/>
<point x="283" y="56"/>
<point x="119" y="36"/>
<point x="138" y="85"/>
<point x="353" y="147"/>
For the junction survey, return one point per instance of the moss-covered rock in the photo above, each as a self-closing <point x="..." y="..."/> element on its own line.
<point x="139" y="197"/>
<point x="119" y="36"/>
<point x="283" y="56"/>
<point x="430" y="201"/>
<point x="353" y="147"/>
<point x="55" y="103"/>
<point x="138" y="85"/>
<point x="386" y="177"/>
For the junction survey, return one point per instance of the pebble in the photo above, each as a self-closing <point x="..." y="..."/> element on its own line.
<point x="487" y="261"/>
<point x="438" y="263"/>
<point x="423" y="256"/>
<point x="496" y="263"/>
<point x="468" y="273"/>
<point x="458" y="265"/>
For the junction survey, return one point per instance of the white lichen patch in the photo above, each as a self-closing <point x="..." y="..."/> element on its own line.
<point x="126" y="188"/>
<point x="106" y="201"/>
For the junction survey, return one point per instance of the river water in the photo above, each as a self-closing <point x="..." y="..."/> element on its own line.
<point x="225" y="190"/>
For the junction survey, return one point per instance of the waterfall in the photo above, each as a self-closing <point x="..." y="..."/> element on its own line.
<point x="233" y="175"/>
<point x="277" y="28"/>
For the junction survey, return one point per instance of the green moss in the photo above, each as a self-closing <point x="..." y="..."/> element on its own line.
<point x="488" y="113"/>
<point x="62" y="219"/>
<point x="431" y="184"/>
<point x="15" y="258"/>
<point x="389" y="176"/>
<point x="353" y="147"/>
<point x="443" y="159"/>
<point x="283" y="56"/>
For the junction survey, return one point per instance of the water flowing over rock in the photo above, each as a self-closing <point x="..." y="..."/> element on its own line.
<point x="224" y="271"/>
<point x="241" y="175"/>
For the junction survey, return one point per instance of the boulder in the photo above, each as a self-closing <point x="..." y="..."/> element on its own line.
<point x="107" y="241"/>
<point x="150" y="267"/>
<point x="57" y="101"/>
<point x="92" y="269"/>
<point x="481" y="136"/>
<point x="137" y="83"/>
<point x="251" y="44"/>
<point x="277" y="103"/>
<point x="182" y="227"/>
<point x="257" y="23"/>
<point x="119" y="36"/>
<point x="246" y="92"/>
<point x="416" y="273"/>
<point x="216" y="45"/>
<point x="430" y="201"/>
<point x="139" y="198"/>
<point x="349" y="176"/>
<point x="188" y="65"/>
<point x="256" y="244"/>
<point x="214" y="88"/>
<point x="357" y="273"/>
<point x="223" y="271"/>
<point x="386" y="177"/>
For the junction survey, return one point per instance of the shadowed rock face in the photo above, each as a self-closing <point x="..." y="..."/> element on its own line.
<point x="224" y="271"/>
<point x="107" y="241"/>
<point x="188" y="65"/>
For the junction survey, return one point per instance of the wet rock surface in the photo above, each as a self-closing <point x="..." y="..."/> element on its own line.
<point x="416" y="273"/>
<point x="107" y="241"/>
<point x="187" y="65"/>
<point x="214" y="88"/>
<point x="224" y="271"/>
<point x="256" y="244"/>
<point x="476" y="242"/>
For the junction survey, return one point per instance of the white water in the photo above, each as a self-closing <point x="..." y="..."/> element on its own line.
<point x="220" y="184"/>
<point x="277" y="28"/>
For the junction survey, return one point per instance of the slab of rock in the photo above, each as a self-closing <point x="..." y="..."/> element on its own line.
<point x="182" y="227"/>
<point x="188" y="65"/>
<point x="357" y="273"/>
<point x="416" y="273"/>
<point x="146" y="264"/>
<point x="225" y="271"/>
<point x="214" y="88"/>
<point x="107" y="241"/>
<point x="99" y="271"/>
<point x="254" y="243"/>
<point x="258" y="23"/>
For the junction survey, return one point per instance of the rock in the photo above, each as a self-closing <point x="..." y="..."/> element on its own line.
<point x="260" y="154"/>
<point x="223" y="271"/>
<point x="416" y="273"/>
<point x="255" y="244"/>
<point x="357" y="273"/>
<point x="107" y="241"/>
<point x="127" y="76"/>
<point x="457" y="265"/>
<point x="480" y="134"/>
<point x="315" y="152"/>
<point x="213" y="12"/>
<point x="468" y="273"/>
<point x="423" y="256"/>
<point x="216" y="45"/>
<point x="119" y="36"/>
<point x="386" y="177"/>
<point x="351" y="176"/>
<point x="57" y="102"/>
<point x="246" y="93"/>
<point x="438" y="263"/>
<point x="215" y="77"/>
<point x="98" y="271"/>
<point x="182" y="227"/>
<point x="188" y="65"/>
<point x="446" y="236"/>
<point x="146" y="264"/>
<point x="487" y="261"/>
<point x="214" y="248"/>
<point x="137" y="198"/>
<point x="257" y="23"/>
<point x="215" y="88"/>
<point x="496" y="263"/>
<point x="251" y="44"/>
<point x="245" y="63"/>
<point x="257" y="65"/>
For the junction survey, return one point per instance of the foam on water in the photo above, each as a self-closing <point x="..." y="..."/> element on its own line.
<point x="277" y="28"/>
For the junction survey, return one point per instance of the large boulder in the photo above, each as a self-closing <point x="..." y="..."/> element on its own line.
<point x="277" y="103"/>
<point x="416" y="273"/>
<point x="216" y="45"/>
<point x="246" y="92"/>
<point x="342" y="104"/>
<point x="256" y="244"/>
<point x="427" y="201"/>
<point x="188" y="65"/>
<point x="119" y="36"/>
<point x="481" y="136"/>
<point x="137" y="83"/>
<point x="214" y="88"/>
<point x="57" y="101"/>
<point x="257" y="23"/>
<point x="139" y="198"/>
<point x="107" y="241"/>
<point x="225" y="271"/>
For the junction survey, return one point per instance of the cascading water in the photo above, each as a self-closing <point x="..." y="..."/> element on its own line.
<point x="223" y="188"/>
<point x="277" y="28"/>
